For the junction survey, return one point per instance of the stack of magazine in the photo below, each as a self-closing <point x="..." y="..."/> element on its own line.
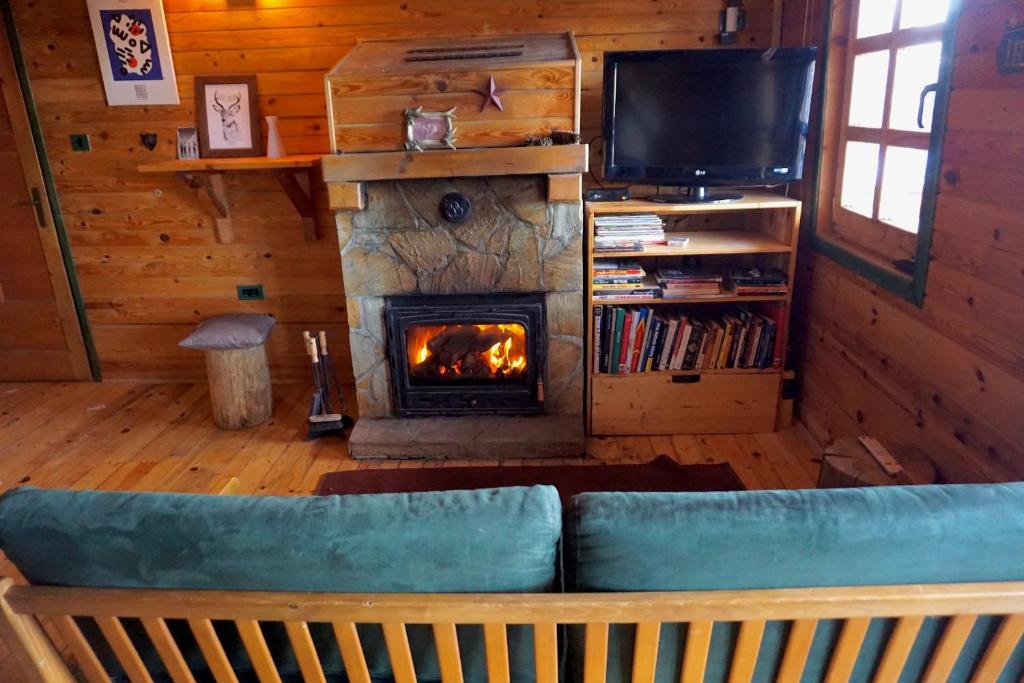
<point x="628" y="232"/>
<point x="621" y="279"/>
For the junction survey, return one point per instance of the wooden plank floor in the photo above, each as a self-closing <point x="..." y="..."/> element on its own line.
<point x="160" y="437"/>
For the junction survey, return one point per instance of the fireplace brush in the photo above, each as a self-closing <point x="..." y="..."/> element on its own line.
<point x="322" y="418"/>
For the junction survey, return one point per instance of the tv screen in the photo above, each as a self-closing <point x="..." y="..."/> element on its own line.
<point x="707" y="117"/>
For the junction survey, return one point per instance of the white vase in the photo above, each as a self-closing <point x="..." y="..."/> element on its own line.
<point x="275" y="148"/>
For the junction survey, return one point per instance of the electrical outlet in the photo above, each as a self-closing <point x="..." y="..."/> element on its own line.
<point x="80" y="142"/>
<point x="250" y="292"/>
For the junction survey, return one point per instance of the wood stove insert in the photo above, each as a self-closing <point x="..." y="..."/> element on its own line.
<point x="466" y="354"/>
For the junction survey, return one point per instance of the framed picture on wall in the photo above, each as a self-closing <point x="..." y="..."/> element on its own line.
<point x="228" y="117"/>
<point x="134" y="53"/>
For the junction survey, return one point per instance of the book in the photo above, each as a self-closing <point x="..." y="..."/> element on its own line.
<point x="598" y="316"/>
<point x="627" y="332"/>
<point x="618" y="246"/>
<point x="670" y="335"/>
<point x="684" y="344"/>
<point x="775" y="312"/>
<point x="677" y="343"/>
<point x="608" y="323"/>
<point x="618" y="286"/>
<point x="652" y="345"/>
<point x="617" y="279"/>
<point x="638" y="340"/>
<point x="619" y="266"/>
<point x="635" y="295"/>
<point x="693" y="347"/>
<point x="613" y="361"/>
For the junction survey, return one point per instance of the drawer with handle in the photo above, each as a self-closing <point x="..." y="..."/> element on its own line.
<point x="684" y="404"/>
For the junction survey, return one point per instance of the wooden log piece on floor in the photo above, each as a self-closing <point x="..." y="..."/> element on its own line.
<point x="240" y="391"/>
<point x="847" y="464"/>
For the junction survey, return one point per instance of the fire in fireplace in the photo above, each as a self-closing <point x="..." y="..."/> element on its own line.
<point x="466" y="352"/>
<point x="459" y="355"/>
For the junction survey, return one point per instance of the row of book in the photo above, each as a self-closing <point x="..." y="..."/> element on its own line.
<point x="626" y="232"/>
<point x="624" y="279"/>
<point x="632" y="339"/>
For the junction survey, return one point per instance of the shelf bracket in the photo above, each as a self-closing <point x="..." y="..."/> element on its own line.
<point x="296" y="185"/>
<point x="213" y="186"/>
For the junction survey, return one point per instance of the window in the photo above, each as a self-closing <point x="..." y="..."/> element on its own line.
<point x="883" y="127"/>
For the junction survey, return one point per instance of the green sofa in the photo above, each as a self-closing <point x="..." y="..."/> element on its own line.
<point x="509" y="541"/>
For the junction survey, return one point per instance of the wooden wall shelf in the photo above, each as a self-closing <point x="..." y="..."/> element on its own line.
<point x="207" y="177"/>
<point x="495" y="161"/>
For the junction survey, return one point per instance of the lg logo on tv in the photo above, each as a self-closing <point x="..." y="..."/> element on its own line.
<point x="699" y="172"/>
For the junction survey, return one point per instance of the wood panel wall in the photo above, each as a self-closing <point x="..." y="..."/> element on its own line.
<point x="144" y="247"/>
<point x="947" y="378"/>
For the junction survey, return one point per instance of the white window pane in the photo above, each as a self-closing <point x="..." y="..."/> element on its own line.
<point x="867" y="94"/>
<point x="923" y="13"/>
<point x="875" y="17"/>
<point x="902" y="186"/>
<point x="860" y="173"/>
<point x="916" y="67"/>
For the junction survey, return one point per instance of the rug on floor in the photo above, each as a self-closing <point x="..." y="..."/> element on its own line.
<point x="661" y="474"/>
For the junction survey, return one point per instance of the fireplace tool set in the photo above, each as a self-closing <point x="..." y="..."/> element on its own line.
<point x="322" y="418"/>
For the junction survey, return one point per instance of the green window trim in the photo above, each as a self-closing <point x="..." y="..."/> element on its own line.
<point x="908" y="286"/>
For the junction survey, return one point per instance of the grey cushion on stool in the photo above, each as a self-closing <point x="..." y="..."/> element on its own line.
<point x="233" y="331"/>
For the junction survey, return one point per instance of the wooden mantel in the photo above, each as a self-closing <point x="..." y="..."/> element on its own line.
<point x="207" y="176"/>
<point x="563" y="164"/>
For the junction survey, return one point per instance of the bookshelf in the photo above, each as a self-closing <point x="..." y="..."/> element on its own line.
<point x="762" y="229"/>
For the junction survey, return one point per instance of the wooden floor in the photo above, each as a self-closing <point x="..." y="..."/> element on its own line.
<point x="159" y="437"/>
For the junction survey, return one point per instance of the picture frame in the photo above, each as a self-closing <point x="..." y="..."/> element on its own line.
<point x="188" y="143"/>
<point x="228" y="116"/>
<point x="429" y="129"/>
<point x="134" y="52"/>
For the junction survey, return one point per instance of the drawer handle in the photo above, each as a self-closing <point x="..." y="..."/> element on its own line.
<point x="685" y="379"/>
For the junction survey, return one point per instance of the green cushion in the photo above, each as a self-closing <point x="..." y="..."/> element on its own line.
<point x="491" y="540"/>
<point x="790" y="539"/>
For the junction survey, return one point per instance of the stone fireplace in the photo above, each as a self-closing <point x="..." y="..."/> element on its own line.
<point x="466" y="338"/>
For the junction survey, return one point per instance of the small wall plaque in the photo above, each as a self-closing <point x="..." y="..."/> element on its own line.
<point x="429" y="129"/>
<point x="1011" y="52"/>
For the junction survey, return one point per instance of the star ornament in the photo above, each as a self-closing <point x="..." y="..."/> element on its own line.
<point x="491" y="94"/>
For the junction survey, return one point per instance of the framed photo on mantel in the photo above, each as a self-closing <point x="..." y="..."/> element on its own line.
<point x="229" y="124"/>
<point x="135" y="55"/>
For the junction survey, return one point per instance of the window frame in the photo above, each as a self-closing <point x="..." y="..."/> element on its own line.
<point x="839" y="50"/>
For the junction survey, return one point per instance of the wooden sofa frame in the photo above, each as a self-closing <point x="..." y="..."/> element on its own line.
<point x="22" y="608"/>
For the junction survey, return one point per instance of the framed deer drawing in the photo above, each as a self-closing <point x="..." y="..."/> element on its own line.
<point x="228" y="116"/>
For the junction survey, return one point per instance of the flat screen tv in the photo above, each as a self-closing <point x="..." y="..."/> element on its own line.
<point x="707" y="118"/>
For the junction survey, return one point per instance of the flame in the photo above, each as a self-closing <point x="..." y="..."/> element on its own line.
<point x="504" y="358"/>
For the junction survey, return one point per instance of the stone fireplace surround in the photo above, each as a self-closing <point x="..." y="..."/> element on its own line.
<point x="516" y="240"/>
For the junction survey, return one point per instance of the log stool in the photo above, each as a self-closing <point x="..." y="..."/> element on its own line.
<point x="847" y="464"/>
<point x="236" y="367"/>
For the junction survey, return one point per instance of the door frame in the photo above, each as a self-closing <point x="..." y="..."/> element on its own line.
<point x="36" y="168"/>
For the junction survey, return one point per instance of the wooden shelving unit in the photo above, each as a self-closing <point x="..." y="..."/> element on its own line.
<point x="760" y="229"/>
<point x="207" y="177"/>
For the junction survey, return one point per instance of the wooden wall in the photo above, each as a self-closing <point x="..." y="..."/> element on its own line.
<point x="144" y="247"/>
<point x="947" y="378"/>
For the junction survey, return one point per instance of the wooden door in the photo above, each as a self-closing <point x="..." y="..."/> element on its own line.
<point x="40" y="335"/>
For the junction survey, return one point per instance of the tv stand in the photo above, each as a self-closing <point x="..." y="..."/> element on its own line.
<point x="696" y="195"/>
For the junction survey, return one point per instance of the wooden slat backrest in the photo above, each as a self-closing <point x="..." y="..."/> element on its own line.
<point x="448" y="659"/>
<point x="164" y="643"/>
<point x="543" y="613"/>
<point x="352" y="652"/>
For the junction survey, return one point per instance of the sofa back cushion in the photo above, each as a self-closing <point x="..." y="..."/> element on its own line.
<point x="489" y="541"/>
<point x="792" y="539"/>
